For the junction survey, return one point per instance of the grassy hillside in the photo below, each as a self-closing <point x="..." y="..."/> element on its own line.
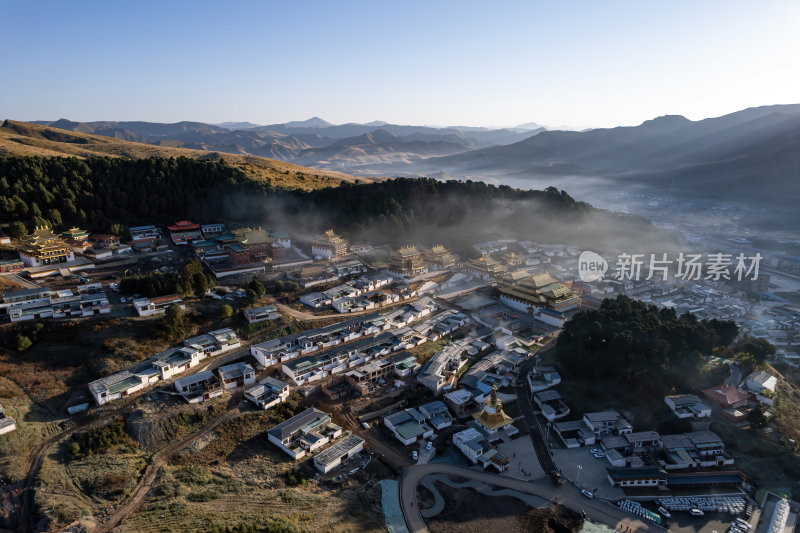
<point x="28" y="139"/>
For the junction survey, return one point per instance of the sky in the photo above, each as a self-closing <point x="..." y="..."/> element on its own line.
<point x="578" y="63"/>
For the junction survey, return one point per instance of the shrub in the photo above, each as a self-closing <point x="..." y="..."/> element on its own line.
<point x="225" y="311"/>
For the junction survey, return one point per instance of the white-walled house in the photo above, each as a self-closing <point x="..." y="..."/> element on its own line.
<point x="268" y="393"/>
<point x="304" y="433"/>
<point x="236" y="375"/>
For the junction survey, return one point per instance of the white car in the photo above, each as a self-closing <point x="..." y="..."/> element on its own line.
<point x="599" y="455"/>
<point x="742" y="524"/>
<point x="696" y="512"/>
<point x="122" y="300"/>
<point x="664" y="512"/>
<point x="428" y="445"/>
<point x="587" y="493"/>
<point x="595" y="450"/>
<point x="414" y="455"/>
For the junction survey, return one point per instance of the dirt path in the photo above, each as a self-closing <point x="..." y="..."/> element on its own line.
<point x="135" y="500"/>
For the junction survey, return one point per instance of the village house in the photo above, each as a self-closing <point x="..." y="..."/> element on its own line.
<point x="697" y="449"/>
<point x="214" y="342"/>
<point x="298" y="344"/>
<point x="116" y="386"/>
<point x="236" y="375"/>
<point x="574" y="433"/>
<point x="477" y="449"/>
<point x="101" y="240"/>
<point x="607" y="422"/>
<point x="687" y="406"/>
<point x="461" y="402"/>
<point x="408" y="426"/>
<point x="268" y="393"/>
<point x="762" y="384"/>
<point x="398" y="364"/>
<point x="329" y="245"/>
<point x="338" y="359"/>
<point x="39" y="295"/>
<point x="199" y="387"/>
<point x="361" y="248"/>
<point x="211" y="231"/>
<point x="730" y="400"/>
<point x="332" y="456"/>
<point x="637" y="477"/>
<point x="439" y="372"/>
<point x="157" y="305"/>
<point x="552" y="404"/>
<point x="543" y="377"/>
<point x="261" y="314"/>
<point x="304" y="433"/>
<point x="437" y="414"/>
<point x="139" y="233"/>
<point x="7" y="424"/>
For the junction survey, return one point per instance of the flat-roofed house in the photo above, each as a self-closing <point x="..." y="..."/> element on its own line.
<point x="236" y="375"/>
<point x="269" y="392"/>
<point x="478" y="450"/>
<point x="116" y="386"/>
<point x="332" y="456"/>
<point x="607" y="422"/>
<point x="214" y="342"/>
<point x="637" y="477"/>
<point x="687" y="406"/>
<point x="261" y="314"/>
<point x="304" y="433"/>
<point x="552" y="404"/>
<point x="437" y="414"/>
<point x="157" y="305"/>
<point x="408" y="426"/>
<point x="199" y="387"/>
<point x="7" y="424"/>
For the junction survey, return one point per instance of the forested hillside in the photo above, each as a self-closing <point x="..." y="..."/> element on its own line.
<point x="95" y="193"/>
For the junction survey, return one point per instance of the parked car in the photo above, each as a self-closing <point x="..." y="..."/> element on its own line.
<point x="742" y="524"/>
<point x="587" y="493"/>
<point x="414" y="455"/>
<point x="122" y="300"/>
<point x="595" y="450"/>
<point x="696" y="512"/>
<point x="428" y="445"/>
<point x="664" y="512"/>
<point x="599" y="455"/>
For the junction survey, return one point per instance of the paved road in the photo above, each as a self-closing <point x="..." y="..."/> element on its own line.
<point x="567" y="495"/>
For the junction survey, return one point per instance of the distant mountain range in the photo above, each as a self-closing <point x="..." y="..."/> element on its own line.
<point x="752" y="154"/>
<point x="355" y="148"/>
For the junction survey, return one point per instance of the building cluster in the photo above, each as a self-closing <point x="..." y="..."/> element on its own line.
<point x="308" y="434"/>
<point x="735" y="402"/>
<point x="35" y="304"/>
<point x="165" y="365"/>
<point x="370" y="291"/>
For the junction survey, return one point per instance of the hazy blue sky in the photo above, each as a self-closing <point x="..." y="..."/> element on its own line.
<point x="591" y="63"/>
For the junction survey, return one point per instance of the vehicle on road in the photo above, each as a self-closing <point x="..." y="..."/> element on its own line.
<point x="664" y="512"/>
<point x="122" y="300"/>
<point x="742" y="524"/>
<point x="599" y="455"/>
<point x="696" y="512"/>
<point x="587" y="493"/>
<point x="414" y="455"/>
<point x="595" y="450"/>
<point x="428" y="445"/>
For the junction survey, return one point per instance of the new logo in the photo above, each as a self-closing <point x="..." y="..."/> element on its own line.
<point x="591" y="266"/>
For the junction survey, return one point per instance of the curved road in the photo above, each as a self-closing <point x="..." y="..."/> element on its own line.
<point x="567" y="495"/>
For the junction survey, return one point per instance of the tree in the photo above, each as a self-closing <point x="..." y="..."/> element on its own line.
<point x="252" y="296"/>
<point x="174" y="322"/>
<point x="199" y="284"/>
<point x="23" y="343"/>
<point x="74" y="449"/>
<point x="18" y="230"/>
<point x="756" y="418"/>
<point x="225" y="311"/>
